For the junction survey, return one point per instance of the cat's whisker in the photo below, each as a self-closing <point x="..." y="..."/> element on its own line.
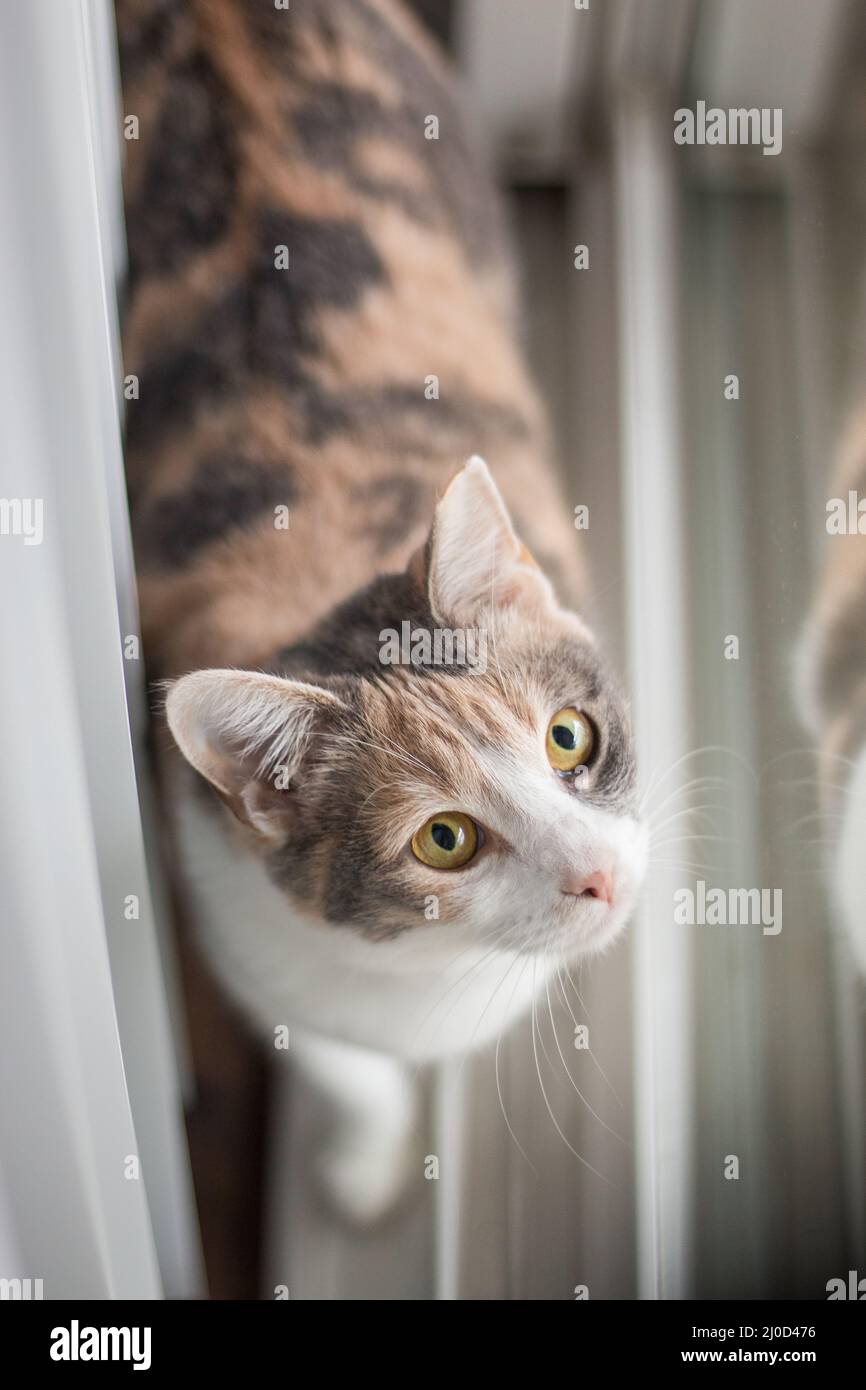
<point x="535" y="1042"/>
<point x="691" y="865"/>
<point x="501" y="940"/>
<point x="590" y="1052"/>
<point x="684" y="865"/>
<point x="400" y="753"/>
<point x="656" y="780"/>
<point x="811" y="752"/>
<point x="466" y="974"/>
<point x="498" y="1078"/>
<point x="565" y="998"/>
<point x="693" y="839"/>
<point x="483" y="1013"/>
<point x="819" y="816"/>
<point x="696" y="788"/>
<point x="706" y="782"/>
<point x="684" y="836"/>
<point x="383" y="787"/>
<point x="358" y="742"/>
<point x="602" y="1073"/>
<point x="702" y="811"/>
<point x="817" y="783"/>
<point x="683" y="795"/>
<point x="577" y="992"/>
<point x="831" y="840"/>
<point x="571" y="1079"/>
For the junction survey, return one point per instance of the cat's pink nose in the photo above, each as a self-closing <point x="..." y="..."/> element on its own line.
<point x="598" y="885"/>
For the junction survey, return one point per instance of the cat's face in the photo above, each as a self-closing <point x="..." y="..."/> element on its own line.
<point x="494" y="801"/>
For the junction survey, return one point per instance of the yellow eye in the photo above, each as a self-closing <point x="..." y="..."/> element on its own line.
<point x="446" y="841"/>
<point x="570" y="740"/>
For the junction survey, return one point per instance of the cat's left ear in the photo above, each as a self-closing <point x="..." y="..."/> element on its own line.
<point x="253" y="737"/>
<point x="475" y="562"/>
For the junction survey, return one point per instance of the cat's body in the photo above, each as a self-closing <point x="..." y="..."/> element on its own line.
<point x="307" y="386"/>
<point x="321" y="319"/>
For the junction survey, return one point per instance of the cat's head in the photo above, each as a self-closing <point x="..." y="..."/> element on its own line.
<point x="491" y="796"/>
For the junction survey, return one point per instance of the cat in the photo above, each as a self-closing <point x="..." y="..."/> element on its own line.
<point x="832" y="680"/>
<point x="321" y="316"/>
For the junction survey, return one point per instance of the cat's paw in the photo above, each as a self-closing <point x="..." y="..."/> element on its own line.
<point x="363" y="1177"/>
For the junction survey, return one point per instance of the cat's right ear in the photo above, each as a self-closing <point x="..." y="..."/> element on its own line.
<point x="248" y="735"/>
<point x="474" y="562"/>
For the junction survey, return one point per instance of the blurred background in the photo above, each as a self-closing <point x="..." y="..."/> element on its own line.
<point x="565" y="1169"/>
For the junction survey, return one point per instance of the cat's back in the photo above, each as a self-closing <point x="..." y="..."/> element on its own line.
<point x="319" y="316"/>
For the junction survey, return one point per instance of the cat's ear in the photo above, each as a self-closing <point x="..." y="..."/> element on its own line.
<point x="248" y="735"/>
<point x="474" y="560"/>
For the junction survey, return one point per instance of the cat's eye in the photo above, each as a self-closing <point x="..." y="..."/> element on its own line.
<point x="570" y="740"/>
<point x="446" y="841"/>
